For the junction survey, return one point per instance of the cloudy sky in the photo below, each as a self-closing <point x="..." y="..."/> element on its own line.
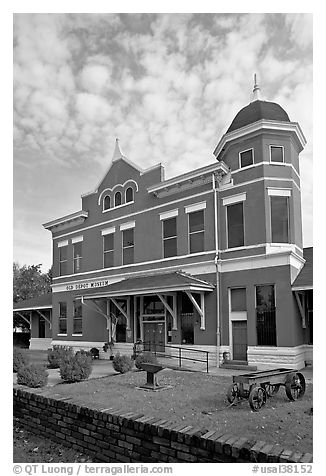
<point x="168" y="85"/>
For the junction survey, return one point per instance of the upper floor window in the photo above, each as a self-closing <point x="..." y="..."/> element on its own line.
<point x="128" y="246"/>
<point x="63" y="260"/>
<point x="78" y="256"/>
<point x="117" y="199"/>
<point x="280" y="219"/>
<point x="169" y="237"/>
<point x="276" y="153"/>
<point x="62" y="318"/>
<point x="129" y="195"/>
<point x="196" y="231"/>
<point x="246" y="158"/>
<point x="77" y="318"/>
<point x="107" y="202"/>
<point x="235" y="225"/>
<point x="108" y="250"/>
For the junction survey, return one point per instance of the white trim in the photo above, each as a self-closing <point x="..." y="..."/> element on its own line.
<point x="240" y="197"/>
<point x="77" y="239"/>
<point x="261" y="125"/>
<point x="32" y="308"/>
<point x="169" y="214"/>
<point x="118" y="206"/>
<point x="140" y="212"/>
<point x="62" y="335"/>
<point x="76" y="335"/>
<point x="122" y="185"/>
<point x="278" y="192"/>
<point x="108" y="231"/>
<point x="302" y="288"/>
<point x="277" y="179"/>
<point x="195" y="207"/>
<point x="270" y="154"/>
<point x="82" y="214"/>
<point x="258" y="164"/>
<point x="61" y="244"/>
<point x="253" y="157"/>
<point x="127" y="225"/>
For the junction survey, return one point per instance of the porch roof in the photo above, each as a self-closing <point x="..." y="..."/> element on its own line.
<point x="304" y="280"/>
<point x="40" y="302"/>
<point x="154" y="283"/>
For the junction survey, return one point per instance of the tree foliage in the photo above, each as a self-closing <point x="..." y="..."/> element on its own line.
<point x="30" y="282"/>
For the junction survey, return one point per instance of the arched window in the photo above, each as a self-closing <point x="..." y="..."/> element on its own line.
<point x="129" y="195"/>
<point x="107" y="202"/>
<point x="117" y="199"/>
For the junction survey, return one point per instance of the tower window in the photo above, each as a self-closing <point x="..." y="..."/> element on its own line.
<point x="280" y="219"/>
<point x="235" y="225"/>
<point x="246" y="158"/>
<point x="129" y="195"/>
<point x="277" y="153"/>
<point x="117" y="199"/>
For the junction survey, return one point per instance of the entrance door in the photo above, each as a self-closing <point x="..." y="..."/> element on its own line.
<point x="239" y="337"/>
<point x="154" y="336"/>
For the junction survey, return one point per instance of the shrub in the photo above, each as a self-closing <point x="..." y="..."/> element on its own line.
<point x="76" y="367"/>
<point x="58" y="354"/>
<point x="122" y="363"/>
<point x="95" y="353"/>
<point x="145" y="357"/>
<point x="19" y="360"/>
<point x="33" y="375"/>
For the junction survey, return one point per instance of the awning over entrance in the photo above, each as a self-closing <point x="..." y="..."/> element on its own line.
<point x="302" y="287"/>
<point x="154" y="284"/>
<point x="162" y="285"/>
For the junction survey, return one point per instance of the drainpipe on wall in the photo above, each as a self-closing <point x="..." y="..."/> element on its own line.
<point x="218" y="324"/>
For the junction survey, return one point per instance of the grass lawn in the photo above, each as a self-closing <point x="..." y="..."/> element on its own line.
<point x="199" y="400"/>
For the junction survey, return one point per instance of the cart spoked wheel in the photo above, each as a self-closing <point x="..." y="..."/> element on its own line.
<point x="257" y="398"/>
<point x="295" y="386"/>
<point x="233" y="393"/>
<point x="271" y="390"/>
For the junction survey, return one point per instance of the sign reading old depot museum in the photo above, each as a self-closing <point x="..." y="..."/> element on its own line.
<point x="87" y="285"/>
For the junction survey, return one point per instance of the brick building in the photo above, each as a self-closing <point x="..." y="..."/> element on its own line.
<point x="205" y="260"/>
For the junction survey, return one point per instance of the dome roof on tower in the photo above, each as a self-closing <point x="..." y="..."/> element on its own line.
<point x="256" y="111"/>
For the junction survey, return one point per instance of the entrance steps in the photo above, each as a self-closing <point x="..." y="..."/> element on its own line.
<point x="238" y="365"/>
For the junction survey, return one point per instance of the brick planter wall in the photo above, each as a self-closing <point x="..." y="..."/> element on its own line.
<point x="110" y="435"/>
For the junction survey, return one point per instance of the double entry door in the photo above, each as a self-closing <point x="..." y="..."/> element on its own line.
<point x="154" y="336"/>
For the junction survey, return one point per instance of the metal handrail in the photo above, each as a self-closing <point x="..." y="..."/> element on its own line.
<point x="180" y="349"/>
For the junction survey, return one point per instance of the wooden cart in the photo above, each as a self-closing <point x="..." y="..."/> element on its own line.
<point x="257" y="386"/>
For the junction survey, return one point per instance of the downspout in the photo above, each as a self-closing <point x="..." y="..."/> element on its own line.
<point x="218" y="324"/>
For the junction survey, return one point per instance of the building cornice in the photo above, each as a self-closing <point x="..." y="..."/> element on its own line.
<point x="188" y="180"/>
<point x="262" y="125"/>
<point x="68" y="221"/>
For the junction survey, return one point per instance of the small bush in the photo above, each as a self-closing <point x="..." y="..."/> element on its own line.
<point x="77" y="367"/>
<point x="145" y="357"/>
<point x="58" y="354"/>
<point x="95" y="353"/>
<point x="33" y="375"/>
<point x="122" y="363"/>
<point x="19" y="360"/>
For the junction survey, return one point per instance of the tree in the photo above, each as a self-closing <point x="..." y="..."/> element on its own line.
<point x="30" y="282"/>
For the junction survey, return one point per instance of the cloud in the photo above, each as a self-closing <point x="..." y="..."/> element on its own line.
<point x="95" y="78"/>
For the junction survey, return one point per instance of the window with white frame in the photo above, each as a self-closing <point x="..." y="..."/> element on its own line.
<point x="117" y="199"/>
<point x="77" y="318"/>
<point x="62" y="318"/>
<point x="169" y="237"/>
<point x="246" y="158"/>
<point x="129" y="195"/>
<point x="108" y="250"/>
<point x="128" y="244"/>
<point x="196" y="228"/>
<point x="78" y="256"/>
<point x="276" y="153"/>
<point x="280" y="219"/>
<point x="63" y="260"/>
<point x="235" y="225"/>
<point x="107" y="202"/>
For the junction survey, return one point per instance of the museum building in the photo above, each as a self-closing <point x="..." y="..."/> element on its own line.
<point x="209" y="260"/>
